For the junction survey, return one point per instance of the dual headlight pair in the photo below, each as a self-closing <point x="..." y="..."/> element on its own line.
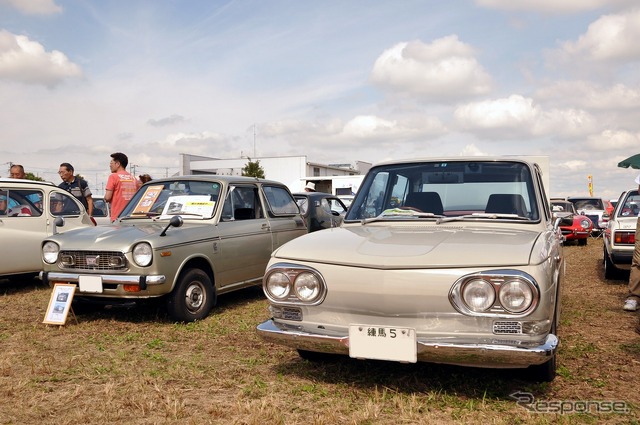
<point x="142" y="253"/>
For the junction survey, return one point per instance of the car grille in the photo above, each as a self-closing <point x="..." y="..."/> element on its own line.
<point x="507" y="328"/>
<point x="92" y="260"/>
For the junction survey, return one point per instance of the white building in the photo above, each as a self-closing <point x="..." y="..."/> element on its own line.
<point x="294" y="171"/>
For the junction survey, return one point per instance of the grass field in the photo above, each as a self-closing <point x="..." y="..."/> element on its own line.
<point x="132" y="365"/>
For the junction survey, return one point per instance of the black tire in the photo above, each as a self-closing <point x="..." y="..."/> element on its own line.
<point x="610" y="270"/>
<point x="582" y="242"/>
<point x="192" y="298"/>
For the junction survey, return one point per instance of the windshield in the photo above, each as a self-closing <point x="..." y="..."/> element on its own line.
<point x="588" y="204"/>
<point x="488" y="189"/>
<point x="187" y="198"/>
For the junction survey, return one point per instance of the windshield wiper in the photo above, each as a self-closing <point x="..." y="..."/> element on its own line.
<point x="185" y="213"/>
<point x="482" y="215"/>
<point x="399" y="213"/>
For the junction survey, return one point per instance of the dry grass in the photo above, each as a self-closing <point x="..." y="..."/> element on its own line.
<point x="131" y="365"/>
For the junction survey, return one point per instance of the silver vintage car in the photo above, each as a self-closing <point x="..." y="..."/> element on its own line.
<point x="28" y="213"/>
<point x="188" y="238"/>
<point x="455" y="261"/>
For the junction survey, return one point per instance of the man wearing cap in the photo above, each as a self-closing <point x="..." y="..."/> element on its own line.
<point x="310" y="187"/>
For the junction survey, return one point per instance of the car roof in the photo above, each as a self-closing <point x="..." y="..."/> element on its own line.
<point x="213" y="178"/>
<point x="7" y="180"/>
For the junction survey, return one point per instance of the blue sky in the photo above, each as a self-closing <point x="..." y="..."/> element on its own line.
<point x="338" y="81"/>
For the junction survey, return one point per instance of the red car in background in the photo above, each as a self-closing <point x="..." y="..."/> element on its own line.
<point x="582" y="226"/>
<point x="609" y="207"/>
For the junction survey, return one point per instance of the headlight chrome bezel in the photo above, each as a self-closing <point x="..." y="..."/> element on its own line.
<point x="50" y="252"/>
<point x="499" y="282"/>
<point x="142" y="254"/>
<point x="298" y="279"/>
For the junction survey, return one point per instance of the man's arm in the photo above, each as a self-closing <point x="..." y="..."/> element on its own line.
<point x="108" y="194"/>
<point x="89" y="204"/>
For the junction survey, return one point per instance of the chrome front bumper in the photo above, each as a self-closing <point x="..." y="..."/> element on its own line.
<point x="142" y="281"/>
<point x="462" y="354"/>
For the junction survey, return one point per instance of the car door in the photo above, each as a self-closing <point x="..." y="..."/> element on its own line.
<point x="22" y="228"/>
<point x="59" y="203"/>
<point x="245" y="237"/>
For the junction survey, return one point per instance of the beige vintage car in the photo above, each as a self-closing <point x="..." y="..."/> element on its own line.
<point x="188" y="239"/>
<point x="28" y="213"/>
<point x="455" y="261"/>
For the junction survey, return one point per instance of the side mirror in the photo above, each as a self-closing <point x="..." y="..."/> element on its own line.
<point x="176" y="221"/>
<point x="58" y="222"/>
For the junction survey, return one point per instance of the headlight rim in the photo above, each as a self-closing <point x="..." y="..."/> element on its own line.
<point x="292" y="270"/>
<point x="135" y="256"/>
<point x="496" y="277"/>
<point x="45" y="254"/>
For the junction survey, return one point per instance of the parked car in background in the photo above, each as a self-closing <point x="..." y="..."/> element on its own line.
<point x="620" y="235"/>
<point x="609" y="207"/>
<point x="101" y="211"/>
<point x="320" y="210"/>
<point x="580" y="229"/>
<point x="28" y="213"/>
<point x="594" y="208"/>
<point x="454" y="260"/>
<point x="188" y="239"/>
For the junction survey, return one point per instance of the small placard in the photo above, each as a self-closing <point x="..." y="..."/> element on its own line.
<point x="59" y="304"/>
<point x="90" y="284"/>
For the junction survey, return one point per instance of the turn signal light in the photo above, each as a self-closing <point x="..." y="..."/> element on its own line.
<point x="131" y="288"/>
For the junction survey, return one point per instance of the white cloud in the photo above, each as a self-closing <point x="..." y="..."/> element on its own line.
<point x="553" y="6"/>
<point x="26" y="61"/>
<point x="611" y="38"/>
<point x="170" y="120"/>
<point x="472" y="150"/>
<point x="615" y="140"/>
<point x="517" y="116"/>
<point x="443" y="70"/>
<point x="573" y="165"/>
<point x="590" y="95"/>
<point x="34" y="7"/>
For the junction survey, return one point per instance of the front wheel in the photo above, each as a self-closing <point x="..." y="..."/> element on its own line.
<point x="192" y="298"/>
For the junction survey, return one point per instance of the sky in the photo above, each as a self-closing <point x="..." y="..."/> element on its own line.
<point x="338" y="81"/>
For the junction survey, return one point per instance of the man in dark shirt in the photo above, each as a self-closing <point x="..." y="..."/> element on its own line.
<point x="76" y="186"/>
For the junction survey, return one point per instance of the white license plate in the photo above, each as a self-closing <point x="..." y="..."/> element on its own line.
<point x="90" y="284"/>
<point x="382" y="343"/>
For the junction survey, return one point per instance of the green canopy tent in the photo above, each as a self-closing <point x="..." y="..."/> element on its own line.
<point x="632" y="161"/>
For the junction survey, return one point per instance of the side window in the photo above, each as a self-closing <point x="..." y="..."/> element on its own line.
<point x="62" y="204"/>
<point x="242" y="203"/>
<point x="280" y="200"/>
<point x="21" y="203"/>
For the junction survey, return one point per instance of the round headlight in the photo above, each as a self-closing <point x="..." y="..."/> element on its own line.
<point x="278" y="285"/>
<point x="50" y="251"/>
<point x="585" y="223"/>
<point x="307" y="287"/>
<point x="142" y="254"/>
<point x="515" y="296"/>
<point x="478" y="295"/>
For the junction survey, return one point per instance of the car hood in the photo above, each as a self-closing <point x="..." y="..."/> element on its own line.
<point x="413" y="247"/>
<point x="118" y="236"/>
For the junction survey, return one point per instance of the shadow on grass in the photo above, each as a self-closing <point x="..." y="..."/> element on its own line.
<point x="89" y="309"/>
<point x="20" y="284"/>
<point x="416" y="378"/>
